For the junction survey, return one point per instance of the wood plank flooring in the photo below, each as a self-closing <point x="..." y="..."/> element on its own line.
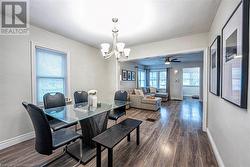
<point x="174" y="139"/>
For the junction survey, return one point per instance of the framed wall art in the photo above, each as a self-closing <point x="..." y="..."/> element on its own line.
<point x="133" y="76"/>
<point x="124" y="75"/>
<point x="235" y="52"/>
<point x="214" y="83"/>
<point x="129" y="76"/>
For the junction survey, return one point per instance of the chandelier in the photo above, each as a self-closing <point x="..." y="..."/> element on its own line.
<point x="117" y="48"/>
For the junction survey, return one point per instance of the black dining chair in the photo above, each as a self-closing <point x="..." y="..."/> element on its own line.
<point x="80" y="97"/>
<point x="47" y="141"/>
<point x="51" y="100"/>
<point x="117" y="113"/>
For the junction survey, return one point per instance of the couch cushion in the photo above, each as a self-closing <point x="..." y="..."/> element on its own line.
<point x="163" y="95"/>
<point x="139" y="92"/>
<point x="152" y="90"/>
<point x="151" y="101"/>
<point x="144" y="90"/>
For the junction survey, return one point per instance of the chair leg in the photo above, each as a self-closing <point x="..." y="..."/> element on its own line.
<point x="81" y="155"/>
<point x="56" y="158"/>
<point x="63" y="153"/>
<point x="76" y="127"/>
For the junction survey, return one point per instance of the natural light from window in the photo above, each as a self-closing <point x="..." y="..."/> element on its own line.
<point x="51" y="72"/>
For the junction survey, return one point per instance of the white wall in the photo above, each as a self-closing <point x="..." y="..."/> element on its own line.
<point x="88" y="70"/>
<point x="171" y="46"/>
<point x="229" y="125"/>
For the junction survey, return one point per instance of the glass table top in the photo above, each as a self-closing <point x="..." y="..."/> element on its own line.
<point x="76" y="112"/>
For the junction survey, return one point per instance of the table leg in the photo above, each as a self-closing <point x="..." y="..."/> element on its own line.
<point x="128" y="137"/>
<point x="98" y="155"/>
<point x="138" y="135"/>
<point x="110" y="157"/>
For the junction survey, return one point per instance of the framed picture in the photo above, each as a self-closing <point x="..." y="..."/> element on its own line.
<point x="129" y="75"/>
<point x="235" y="51"/>
<point x="214" y="83"/>
<point x="124" y="75"/>
<point x="133" y="75"/>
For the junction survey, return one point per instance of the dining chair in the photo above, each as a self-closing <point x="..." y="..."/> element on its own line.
<point x="47" y="141"/>
<point x="117" y="113"/>
<point x="80" y="97"/>
<point x="57" y="99"/>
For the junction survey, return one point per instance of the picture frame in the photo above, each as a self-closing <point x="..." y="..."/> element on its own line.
<point x="235" y="53"/>
<point x="129" y="75"/>
<point x="133" y="76"/>
<point x="214" y="67"/>
<point x="124" y="75"/>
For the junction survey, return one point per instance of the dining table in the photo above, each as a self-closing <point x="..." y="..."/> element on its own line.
<point x="92" y="120"/>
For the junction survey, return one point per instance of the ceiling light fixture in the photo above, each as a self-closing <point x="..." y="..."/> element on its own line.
<point x="118" y="48"/>
<point x="167" y="62"/>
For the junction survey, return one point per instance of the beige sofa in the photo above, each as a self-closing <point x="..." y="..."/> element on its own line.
<point x="142" y="102"/>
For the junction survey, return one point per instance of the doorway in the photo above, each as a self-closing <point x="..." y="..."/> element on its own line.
<point x="191" y="82"/>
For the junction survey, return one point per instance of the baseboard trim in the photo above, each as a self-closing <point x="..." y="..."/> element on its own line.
<point x="15" y="140"/>
<point x="215" y="150"/>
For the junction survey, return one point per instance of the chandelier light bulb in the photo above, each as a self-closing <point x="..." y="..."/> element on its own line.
<point x="120" y="46"/>
<point x="126" y="51"/>
<point x="105" y="47"/>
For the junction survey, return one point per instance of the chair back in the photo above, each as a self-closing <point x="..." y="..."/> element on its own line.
<point x="80" y="97"/>
<point x="121" y="95"/>
<point x="43" y="134"/>
<point x="25" y="105"/>
<point x="53" y="100"/>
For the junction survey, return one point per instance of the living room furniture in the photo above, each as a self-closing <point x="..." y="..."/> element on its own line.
<point x="80" y="97"/>
<point x="56" y="100"/>
<point x="154" y="92"/>
<point x="112" y="136"/>
<point x="117" y="113"/>
<point x="93" y="121"/>
<point x="47" y="141"/>
<point x="145" y="102"/>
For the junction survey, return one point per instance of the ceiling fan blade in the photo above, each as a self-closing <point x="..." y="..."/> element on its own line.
<point x="174" y="59"/>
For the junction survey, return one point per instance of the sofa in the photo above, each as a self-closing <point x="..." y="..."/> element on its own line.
<point x="154" y="92"/>
<point x="141" y="101"/>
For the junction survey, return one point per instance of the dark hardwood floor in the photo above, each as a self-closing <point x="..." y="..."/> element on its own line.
<point x="171" y="137"/>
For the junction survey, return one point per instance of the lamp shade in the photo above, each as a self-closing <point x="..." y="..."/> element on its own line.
<point x="120" y="46"/>
<point x="103" y="52"/>
<point x="105" y="47"/>
<point x="126" y="51"/>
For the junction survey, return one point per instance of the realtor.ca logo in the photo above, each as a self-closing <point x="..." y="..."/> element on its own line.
<point x="14" y="17"/>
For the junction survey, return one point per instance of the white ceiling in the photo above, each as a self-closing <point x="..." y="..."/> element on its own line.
<point x="160" y="60"/>
<point x="140" y="21"/>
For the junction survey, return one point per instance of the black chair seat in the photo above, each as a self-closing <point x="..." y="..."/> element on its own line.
<point x="63" y="137"/>
<point x="115" y="114"/>
<point x="57" y="125"/>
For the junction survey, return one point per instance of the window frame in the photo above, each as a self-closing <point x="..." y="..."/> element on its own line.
<point x="139" y="78"/>
<point x="33" y="46"/>
<point x="190" y="77"/>
<point x="158" y="71"/>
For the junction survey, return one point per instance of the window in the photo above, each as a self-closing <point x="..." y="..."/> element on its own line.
<point x="158" y="79"/>
<point x="51" y="72"/>
<point x="153" y="79"/>
<point x="142" y="78"/>
<point x="162" y="80"/>
<point x="191" y="76"/>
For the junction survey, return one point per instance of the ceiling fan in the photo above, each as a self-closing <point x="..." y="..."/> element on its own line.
<point x="169" y="60"/>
